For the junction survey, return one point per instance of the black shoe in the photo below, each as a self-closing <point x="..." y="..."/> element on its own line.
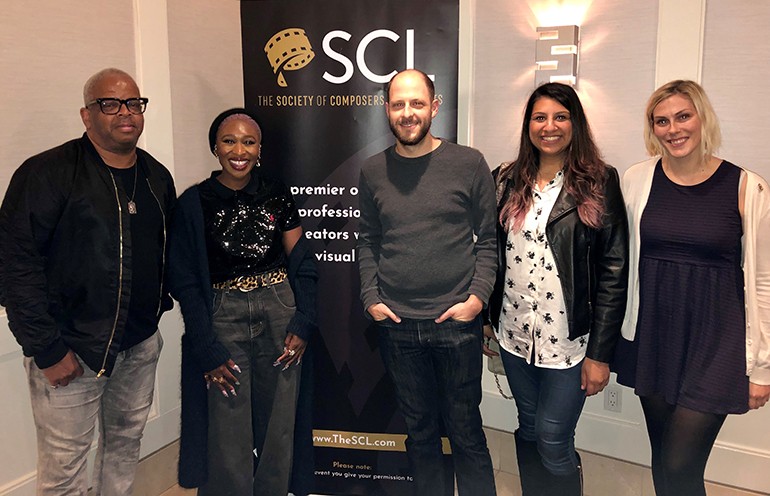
<point x="536" y="480"/>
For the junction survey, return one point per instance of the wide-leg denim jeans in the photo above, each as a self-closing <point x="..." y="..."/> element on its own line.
<point x="251" y="435"/>
<point x="65" y="420"/>
<point x="436" y="373"/>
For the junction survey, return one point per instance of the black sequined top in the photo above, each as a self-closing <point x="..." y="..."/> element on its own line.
<point x="244" y="228"/>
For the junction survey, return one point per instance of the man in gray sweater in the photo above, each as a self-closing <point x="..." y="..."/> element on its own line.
<point x="424" y="281"/>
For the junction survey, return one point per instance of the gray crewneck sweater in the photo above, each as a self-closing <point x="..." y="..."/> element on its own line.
<point x="416" y="248"/>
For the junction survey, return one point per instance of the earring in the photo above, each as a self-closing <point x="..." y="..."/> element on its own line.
<point x="258" y="164"/>
<point x="214" y="151"/>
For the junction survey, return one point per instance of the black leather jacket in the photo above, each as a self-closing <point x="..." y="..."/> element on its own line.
<point x="65" y="254"/>
<point x="592" y="266"/>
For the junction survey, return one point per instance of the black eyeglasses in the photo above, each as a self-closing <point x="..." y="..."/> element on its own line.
<point x="111" y="106"/>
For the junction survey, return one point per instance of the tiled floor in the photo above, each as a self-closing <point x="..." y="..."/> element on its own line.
<point x="178" y="491"/>
<point x="603" y="476"/>
<point x="507" y="484"/>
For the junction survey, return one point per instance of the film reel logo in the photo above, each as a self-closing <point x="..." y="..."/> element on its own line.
<point x="288" y="50"/>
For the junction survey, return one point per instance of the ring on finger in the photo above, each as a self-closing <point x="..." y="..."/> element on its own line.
<point x="292" y="352"/>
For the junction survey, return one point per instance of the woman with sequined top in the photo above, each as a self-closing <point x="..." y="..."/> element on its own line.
<point x="245" y="281"/>
<point x="560" y="292"/>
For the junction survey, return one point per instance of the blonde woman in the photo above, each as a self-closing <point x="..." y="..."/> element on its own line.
<point x="696" y="334"/>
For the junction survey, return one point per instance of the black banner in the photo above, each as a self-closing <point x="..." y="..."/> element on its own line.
<point x="315" y="73"/>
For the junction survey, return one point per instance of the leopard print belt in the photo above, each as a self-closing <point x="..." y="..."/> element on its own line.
<point x="248" y="283"/>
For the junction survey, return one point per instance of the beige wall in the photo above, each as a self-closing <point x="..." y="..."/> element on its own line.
<point x="617" y="70"/>
<point x="206" y="78"/>
<point x="47" y="51"/>
<point x="736" y="74"/>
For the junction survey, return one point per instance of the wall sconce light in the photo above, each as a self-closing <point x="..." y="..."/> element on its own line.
<point x="556" y="55"/>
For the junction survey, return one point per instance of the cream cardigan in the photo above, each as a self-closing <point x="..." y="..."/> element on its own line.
<point x="636" y="185"/>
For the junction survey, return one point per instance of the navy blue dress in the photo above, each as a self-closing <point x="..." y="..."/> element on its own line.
<point x="690" y="336"/>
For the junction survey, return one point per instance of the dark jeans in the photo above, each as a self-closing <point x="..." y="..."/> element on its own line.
<point x="436" y="373"/>
<point x="549" y="402"/>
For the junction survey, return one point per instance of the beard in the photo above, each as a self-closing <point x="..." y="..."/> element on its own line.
<point x="407" y="140"/>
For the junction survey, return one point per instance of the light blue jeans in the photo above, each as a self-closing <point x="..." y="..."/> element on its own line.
<point x="549" y="402"/>
<point x="65" y="419"/>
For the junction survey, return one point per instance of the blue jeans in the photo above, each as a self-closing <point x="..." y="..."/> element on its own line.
<point x="549" y="402"/>
<point x="65" y="420"/>
<point x="436" y="373"/>
<point x="261" y="417"/>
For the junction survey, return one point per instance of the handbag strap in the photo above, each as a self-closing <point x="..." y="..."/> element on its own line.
<point x="497" y="378"/>
<point x="502" y="393"/>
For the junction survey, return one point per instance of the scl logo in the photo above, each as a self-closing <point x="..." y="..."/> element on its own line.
<point x="290" y="50"/>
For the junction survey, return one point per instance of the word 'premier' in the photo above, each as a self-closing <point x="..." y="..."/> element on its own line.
<point x="318" y="190"/>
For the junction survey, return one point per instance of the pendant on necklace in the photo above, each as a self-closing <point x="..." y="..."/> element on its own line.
<point x="132" y="208"/>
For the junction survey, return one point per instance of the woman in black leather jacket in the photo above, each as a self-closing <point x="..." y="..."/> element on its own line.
<point x="560" y="294"/>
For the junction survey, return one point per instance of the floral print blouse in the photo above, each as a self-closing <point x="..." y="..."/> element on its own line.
<point x="533" y="322"/>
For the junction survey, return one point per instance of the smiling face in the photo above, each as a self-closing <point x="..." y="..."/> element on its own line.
<point x="119" y="133"/>
<point x="410" y="109"/>
<point x="677" y="126"/>
<point x="550" y="128"/>
<point x="237" y="148"/>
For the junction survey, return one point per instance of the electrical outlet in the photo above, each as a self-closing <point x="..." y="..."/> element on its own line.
<point x="612" y="398"/>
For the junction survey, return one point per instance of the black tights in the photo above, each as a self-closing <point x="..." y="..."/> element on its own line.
<point x="681" y="441"/>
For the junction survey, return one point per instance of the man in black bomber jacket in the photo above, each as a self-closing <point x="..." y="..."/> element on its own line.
<point x="82" y="258"/>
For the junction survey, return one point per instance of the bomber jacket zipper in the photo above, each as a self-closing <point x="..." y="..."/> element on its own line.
<point x="163" y="254"/>
<point x="120" y="277"/>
